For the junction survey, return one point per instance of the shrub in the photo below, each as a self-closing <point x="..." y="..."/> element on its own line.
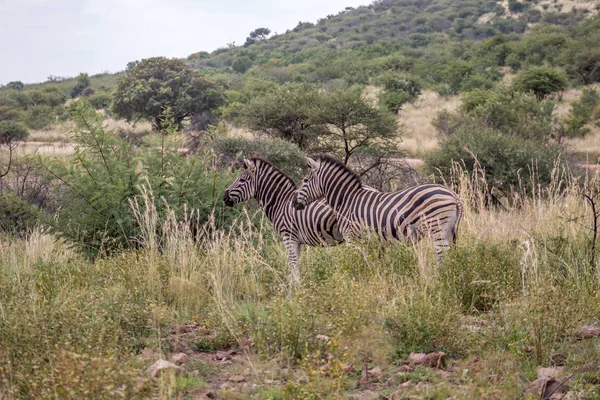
<point x="96" y="185"/>
<point x="581" y="113"/>
<point x="399" y="89"/>
<point x="509" y="112"/>
<point x="39" y="116"/>
<point x="11" y="132"/>
<point x="509" y="162"/>
<point x="241" y="64"/>
<point x="542" y="81"/>
<point x="283" y="154"/>
<point x="100" y="100"/>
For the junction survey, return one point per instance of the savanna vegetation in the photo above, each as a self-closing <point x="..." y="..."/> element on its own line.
<point x="119" y="252"/>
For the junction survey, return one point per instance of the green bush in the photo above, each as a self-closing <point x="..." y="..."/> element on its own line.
<point x="510" y="162"/>
<point x="581" y="114"/>
<point x="39" y="116"/>
<point x="283" y="154"/>
<point x="100" y="100"/>
<point x="12" y="132"/>
<point x="512" y="113"/>
<point x="542" y="81"/>
<point x="399" y="89"/>
<point x="96" y="185"/>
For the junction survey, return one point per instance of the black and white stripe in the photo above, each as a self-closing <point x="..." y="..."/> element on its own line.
<point x="425" y="210"/>
<point x="274" y="190"/>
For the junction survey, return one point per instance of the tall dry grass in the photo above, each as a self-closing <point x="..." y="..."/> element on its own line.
<point x="70" y="327"/>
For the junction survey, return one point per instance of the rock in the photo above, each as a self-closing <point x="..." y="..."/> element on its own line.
<point x="546" y="387"/>
<point x="400" y="390"/>
<point x="237" y="378"/>
<point x="375" y="374"/>
<point x="180" y="358"/>
<point x="406" y="368"/>
<point x="555" y="372"/>
<point x="588" y="332"/>
<point x="225" y="355"/>
<point x="160" y="365"/>
<point x="417" y="359"/>
<point x="434" y="360"/>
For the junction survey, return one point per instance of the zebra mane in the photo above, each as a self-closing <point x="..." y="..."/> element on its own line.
<point x="324" y="158"/>
<point x="268" y="164"/>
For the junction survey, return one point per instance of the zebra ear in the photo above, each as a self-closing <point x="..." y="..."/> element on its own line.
<point x="312" y="164"/>
<point x="249" y="165"/>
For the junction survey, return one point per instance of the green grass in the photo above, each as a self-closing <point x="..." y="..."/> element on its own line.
<point x="71" y="328"/>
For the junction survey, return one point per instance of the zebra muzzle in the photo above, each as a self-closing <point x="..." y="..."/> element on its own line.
<point x="228" y="200"/>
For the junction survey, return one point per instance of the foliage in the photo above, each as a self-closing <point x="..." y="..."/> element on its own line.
<point x="15" y="85"/>
<point x="353" y="124"/>
<point x="282" y="153"/>
<point x="100" y="100"/>
<point x="582" y="112"/>
<point x="287" y="112"/>
<point x="399" y="89"/>
<point x="241" y="64"/>
<point x="155" y="82"/>
<point x="11" y="132"/>
<point x="97" y="183"/>
<point x="542" y="81"/>
<point x="507" y="162"/>
<point x="39" y="116"/>
<point x="82" y="83"/>
<point x="510" y="112"/>
<point x="256" y="35"/>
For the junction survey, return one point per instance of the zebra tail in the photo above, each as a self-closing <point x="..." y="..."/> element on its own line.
<point x="459" y="215"/>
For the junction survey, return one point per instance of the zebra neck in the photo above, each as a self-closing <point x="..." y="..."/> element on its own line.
<point x="339" y="197"/>
<point x="274" y="193"/>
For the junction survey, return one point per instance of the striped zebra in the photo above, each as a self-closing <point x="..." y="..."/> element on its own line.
<point x="274" y="190"/>
<point x="425" y="210"/>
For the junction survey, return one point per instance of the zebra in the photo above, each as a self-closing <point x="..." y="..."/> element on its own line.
<point x="430" y="209"/>
<point x="274" y="190"/>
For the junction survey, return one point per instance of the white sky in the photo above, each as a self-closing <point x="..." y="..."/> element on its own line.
<point x="39" y="38"/>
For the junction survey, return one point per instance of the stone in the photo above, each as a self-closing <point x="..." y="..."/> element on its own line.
<point x="180" y="358"/>
<point x="375" y="374"/>
<point x="161" y="365"/>
<point x="405" y="368"/>
<point x="554" y="372"/>
<point x="588" y="332"/>
<point x="237" y="378"/>
<point x="546" y="387"/>
<point x="434" y="360"/>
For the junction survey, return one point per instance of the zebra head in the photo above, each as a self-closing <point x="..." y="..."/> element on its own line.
<point x="310" y="188"/>
<point x="244" y="187"/>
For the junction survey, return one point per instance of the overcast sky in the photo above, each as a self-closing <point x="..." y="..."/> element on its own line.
<point x="65" y="37"/>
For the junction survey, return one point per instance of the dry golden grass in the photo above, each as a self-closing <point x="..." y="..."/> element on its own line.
<point x="420" y="135"/>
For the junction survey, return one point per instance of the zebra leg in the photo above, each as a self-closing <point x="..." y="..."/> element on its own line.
<point x="293" y="251"/>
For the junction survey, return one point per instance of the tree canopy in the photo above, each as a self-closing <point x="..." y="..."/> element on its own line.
<point x="154" y="83"/>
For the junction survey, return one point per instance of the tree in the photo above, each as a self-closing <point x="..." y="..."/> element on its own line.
<point x="286" y="112"/>
<point x="11" y="134"/>
<point x="352" y="124"/>
<point x="157" y="82"/>
<point x="256" y="35"/>
<point x="15" y="85"/>
<point x="241" y="64"/>
<point x="542" y="81"/>
<point x="83" y="81"/>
